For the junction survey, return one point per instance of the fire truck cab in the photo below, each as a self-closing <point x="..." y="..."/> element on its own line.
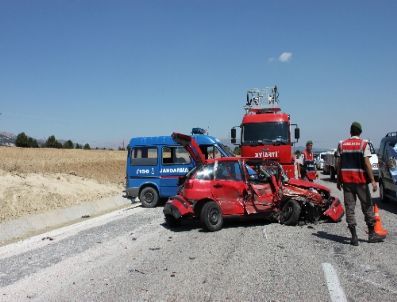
<point x="266" y="130"/>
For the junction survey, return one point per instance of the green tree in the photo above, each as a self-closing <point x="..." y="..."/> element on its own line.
<point x="32" y="143"/>
<point x="22" y="140"/>
<point x="52" y="142"/>
<point x="78" y="146"/>
<point x="87" y="147"/>
<point x="68" y="144"/>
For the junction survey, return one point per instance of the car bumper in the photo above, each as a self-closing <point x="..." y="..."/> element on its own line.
<point x="178" y="207"/>
<point x="132" y="192"/>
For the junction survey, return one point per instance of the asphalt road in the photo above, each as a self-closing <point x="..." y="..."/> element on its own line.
<point x="130" y="255"/>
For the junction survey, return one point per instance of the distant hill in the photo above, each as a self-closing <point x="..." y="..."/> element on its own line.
<point x="7" y="139"/>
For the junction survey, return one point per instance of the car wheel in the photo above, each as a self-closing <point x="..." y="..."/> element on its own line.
<point x="211" y="217"/>
<point x="382" y="195"/>
<point x="325" y="170"/>
<point x="290" y="213"/>
<point x="149" y="197"/>
<point x="332" y="173"/>
<point x="171" y="221"/>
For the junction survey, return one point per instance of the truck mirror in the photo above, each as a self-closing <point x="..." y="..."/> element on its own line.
<point x="233" y="135"/>
<point x="297" y="133"/>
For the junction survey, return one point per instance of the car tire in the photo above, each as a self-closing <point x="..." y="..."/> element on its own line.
<point x="332" y="173"/>
<point x="325" y="170"/>
<point x="211" y="217"/>
<point x="382" y="196"/>
<point x="290" y="213"/>
<point x="149" y="197"/>
<point x="171" y="221"/>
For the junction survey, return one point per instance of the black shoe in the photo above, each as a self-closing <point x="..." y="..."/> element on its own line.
<point x="354" y="240"/>
<point x="374" y="237"/>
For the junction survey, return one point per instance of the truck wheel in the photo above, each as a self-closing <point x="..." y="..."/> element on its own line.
<point x="149" y="197"/>
<point x="382" y="195"/>
<point x="211" y="217"/>
<point x="290" y="213"/>
<point x="171" y="221"/>
<point x="332" y="173"/>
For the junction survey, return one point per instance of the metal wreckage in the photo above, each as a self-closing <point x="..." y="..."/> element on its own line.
<point x="237" y="186"/>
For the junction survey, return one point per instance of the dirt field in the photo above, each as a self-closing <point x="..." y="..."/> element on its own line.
<point x="37" y="180"/>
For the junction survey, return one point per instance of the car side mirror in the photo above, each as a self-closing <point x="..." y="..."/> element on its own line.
<point x="233" y="134"/>
<point x="297" y="133"/>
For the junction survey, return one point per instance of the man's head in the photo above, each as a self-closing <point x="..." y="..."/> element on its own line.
<point x="355" y="129"/>
<point x="309" y="145"/>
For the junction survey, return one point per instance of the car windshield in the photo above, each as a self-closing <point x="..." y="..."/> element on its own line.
<point x="216" y="151"/>
<point x="265" y="133"/>
<point x="251" y="173"/>
<point x="226" y="150"/>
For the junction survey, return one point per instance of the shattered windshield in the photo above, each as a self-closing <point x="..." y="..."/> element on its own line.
<point x="266" y="133"/>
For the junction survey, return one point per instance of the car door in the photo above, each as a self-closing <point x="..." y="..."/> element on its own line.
<point x="389" y="164"/>
<point x="262" y="195"/>
<point x="229" y="187"/>
<point x="142" y="166"/>
<point x="199" y="185"/>
<point x="175" y="162"/>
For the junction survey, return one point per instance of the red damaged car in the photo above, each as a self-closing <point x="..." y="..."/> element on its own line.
<point x="233" y="186"/>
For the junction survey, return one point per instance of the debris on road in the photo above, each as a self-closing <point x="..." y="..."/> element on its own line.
<point x="47" y="238"/>
<point x="133" y="270"/>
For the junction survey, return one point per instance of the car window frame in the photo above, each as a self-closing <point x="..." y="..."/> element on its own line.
<point x="194" y="176"/>
<point x="131" y="150"/>
<point x="242" y="175"/>
<point x="173" y="164"/>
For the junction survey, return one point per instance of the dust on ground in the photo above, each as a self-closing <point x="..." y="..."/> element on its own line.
<point x="37" y="180"/>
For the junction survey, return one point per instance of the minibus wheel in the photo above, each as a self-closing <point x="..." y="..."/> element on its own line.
<point x="149" y="197"/>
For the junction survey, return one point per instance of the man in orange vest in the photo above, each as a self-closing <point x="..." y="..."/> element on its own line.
<point x="308" y="169"/>
<point x="354" y="173"/>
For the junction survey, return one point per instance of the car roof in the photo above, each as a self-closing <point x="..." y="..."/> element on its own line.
<point x="201" y="139"/>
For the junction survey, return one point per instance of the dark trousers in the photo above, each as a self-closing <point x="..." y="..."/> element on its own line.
<point x="350" y="194"/>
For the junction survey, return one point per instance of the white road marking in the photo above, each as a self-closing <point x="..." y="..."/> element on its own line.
<point x="264" y="233"/>
<point x="37" y="241"/>
<point x="335" y="290"/>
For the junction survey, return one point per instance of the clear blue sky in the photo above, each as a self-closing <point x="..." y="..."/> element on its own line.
<point x="103" y="71"/>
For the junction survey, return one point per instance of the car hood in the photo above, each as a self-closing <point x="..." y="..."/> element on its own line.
<point x="191" y="146"/>
<point x="307" y="184"/>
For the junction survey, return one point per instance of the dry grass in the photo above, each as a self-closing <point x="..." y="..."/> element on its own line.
<point x="101" y="165"/>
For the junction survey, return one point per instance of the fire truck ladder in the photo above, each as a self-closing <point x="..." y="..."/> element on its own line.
<point x="262" y="98"/>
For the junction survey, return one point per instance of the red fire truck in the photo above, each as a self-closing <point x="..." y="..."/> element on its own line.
<point x="266" y="130"/>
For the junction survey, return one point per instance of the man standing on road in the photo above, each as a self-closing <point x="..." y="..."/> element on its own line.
<point x="354" y="173"/>
<point x="308" y="168"/>
<point x="298" y="163"/>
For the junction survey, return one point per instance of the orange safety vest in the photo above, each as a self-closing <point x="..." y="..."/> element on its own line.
<point x="308" y="165"/>
<point x="352" y="162"/>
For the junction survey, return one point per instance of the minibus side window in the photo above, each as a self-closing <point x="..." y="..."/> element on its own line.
<point x="143" y="156"/>
<point x="175" y="156"/>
